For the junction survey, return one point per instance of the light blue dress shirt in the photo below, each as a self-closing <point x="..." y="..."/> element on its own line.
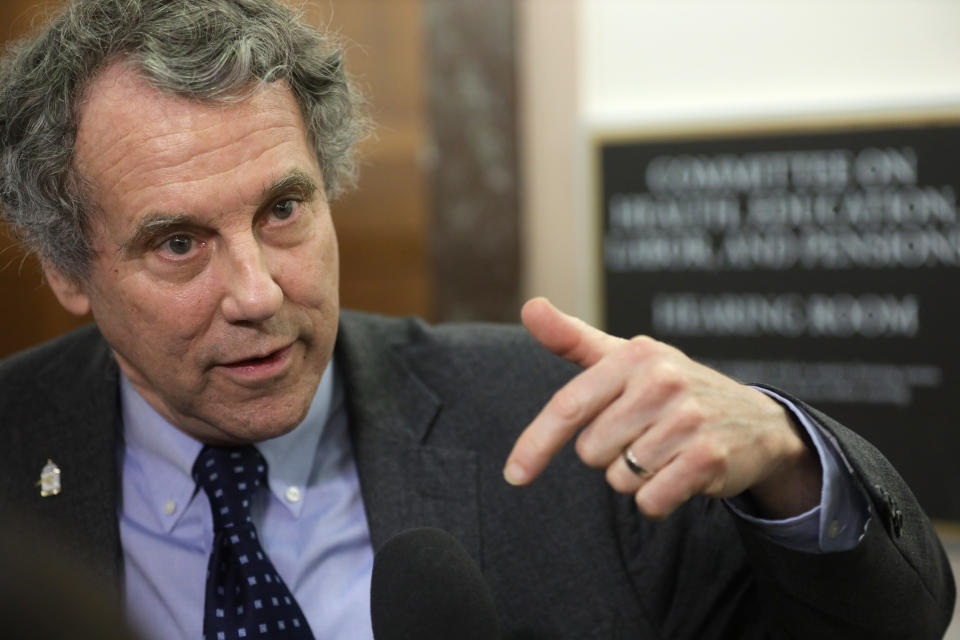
<point x="312" y="522"/>
<point x="840" y="520"/>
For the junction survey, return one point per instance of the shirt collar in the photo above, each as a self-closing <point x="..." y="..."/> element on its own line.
<point x="169" y="453"/>
<point x="290" y="457"/>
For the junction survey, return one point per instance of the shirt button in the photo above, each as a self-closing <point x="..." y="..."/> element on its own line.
<point x="834" y="529"/>
<point x="169" y="507"/>
<point x="293" y="494"/>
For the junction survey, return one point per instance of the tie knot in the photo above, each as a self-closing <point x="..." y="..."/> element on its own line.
<point x="229" y="476"/>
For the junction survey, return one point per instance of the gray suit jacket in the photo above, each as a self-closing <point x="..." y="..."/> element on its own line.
<point x="433" y="413"/>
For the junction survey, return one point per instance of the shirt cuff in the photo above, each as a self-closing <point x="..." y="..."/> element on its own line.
<point x="839" y="522"/>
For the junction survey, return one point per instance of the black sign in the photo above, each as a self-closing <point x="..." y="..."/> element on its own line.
<point x="824" y="263"/>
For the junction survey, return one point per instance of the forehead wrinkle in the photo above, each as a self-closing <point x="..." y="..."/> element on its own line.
<point x="162" y="136"/>
<point x="186" y="116"/>
<point x="105" y="123"/>
<point x="210" y="176"/>
<point x="198" y="157"/>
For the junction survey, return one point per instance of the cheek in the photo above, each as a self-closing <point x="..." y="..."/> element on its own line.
<point x="154" y="316"/>
<point x="310" y="275"/>
<point x="188" y="311"/>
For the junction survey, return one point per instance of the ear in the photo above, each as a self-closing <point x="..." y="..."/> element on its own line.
<point x="71" y="293"/>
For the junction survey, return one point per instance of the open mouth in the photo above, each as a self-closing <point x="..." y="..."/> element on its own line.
<point x="254" y="363"/>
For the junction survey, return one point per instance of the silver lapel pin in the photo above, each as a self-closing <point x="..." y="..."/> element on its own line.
<point x="49" y="479"/>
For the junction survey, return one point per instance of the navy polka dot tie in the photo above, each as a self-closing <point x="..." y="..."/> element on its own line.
<point x="245" y="596"/>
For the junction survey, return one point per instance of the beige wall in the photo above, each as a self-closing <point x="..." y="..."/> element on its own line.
<point x="595" y="65"/>
<point x="549" y="79"/>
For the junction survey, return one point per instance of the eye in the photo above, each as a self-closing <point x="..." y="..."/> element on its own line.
<point x="179" y="244"/>
<point x="284" y="209"/>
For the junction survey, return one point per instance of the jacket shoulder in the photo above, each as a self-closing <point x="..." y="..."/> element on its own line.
<point x="489" y="378"/>
<point x="57" y="363"/>
<point x="452" y="353"/>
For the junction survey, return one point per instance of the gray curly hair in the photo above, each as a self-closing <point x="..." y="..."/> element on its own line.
<point x="205" y="50"/>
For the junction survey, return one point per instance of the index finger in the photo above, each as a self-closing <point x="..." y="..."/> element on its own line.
<point x="576" y="404"/>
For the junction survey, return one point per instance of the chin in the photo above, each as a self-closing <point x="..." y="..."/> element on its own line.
<point x="250" y="420"/>
<point x="235" y="433"/>
<point x="264" y="425"/>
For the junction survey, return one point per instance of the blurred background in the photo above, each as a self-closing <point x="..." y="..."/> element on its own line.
<point x="478" y="189"/>
<point x="481" y="186"/>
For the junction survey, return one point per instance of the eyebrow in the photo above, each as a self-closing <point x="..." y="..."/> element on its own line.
<point x="152" y="226"/>
<point x="160" y="223"/>
<point x="296" y="180"/>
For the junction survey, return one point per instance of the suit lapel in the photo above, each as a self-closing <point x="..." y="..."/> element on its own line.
<point x="406" y="482"/>
<point x="78" y="430"/>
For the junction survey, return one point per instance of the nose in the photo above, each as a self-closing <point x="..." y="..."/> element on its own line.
<point x="252" y="294"/>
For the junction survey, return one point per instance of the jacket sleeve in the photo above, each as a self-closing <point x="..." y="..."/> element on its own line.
<point x="705" y="573"/>
<point x="896" y="583"/>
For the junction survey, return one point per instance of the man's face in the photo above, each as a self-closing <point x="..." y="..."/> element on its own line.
<point x="215" y="277"/>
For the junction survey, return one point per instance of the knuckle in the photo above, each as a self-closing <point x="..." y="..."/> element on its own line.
<point x="617" y="482"/>
<point x="641" y="342"/>
<point x="567" y="404"/>
<point x="651" y="507"/>
<point x="711" y="456"/>
<point x="690" y="413"/>
<point x="650" y="347"/>
<point x="717" y="487"/>
<point x="640" y="348"/>
<point x="586" y="451"/>
<point x="666" y="378"/>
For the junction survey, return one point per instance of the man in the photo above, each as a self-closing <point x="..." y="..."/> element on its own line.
<point x="172" y="162"/>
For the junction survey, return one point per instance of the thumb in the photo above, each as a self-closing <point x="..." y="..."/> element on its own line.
<point x="565" y="335"/>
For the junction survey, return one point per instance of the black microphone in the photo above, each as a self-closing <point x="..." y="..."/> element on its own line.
<point x="426" y="586"/>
